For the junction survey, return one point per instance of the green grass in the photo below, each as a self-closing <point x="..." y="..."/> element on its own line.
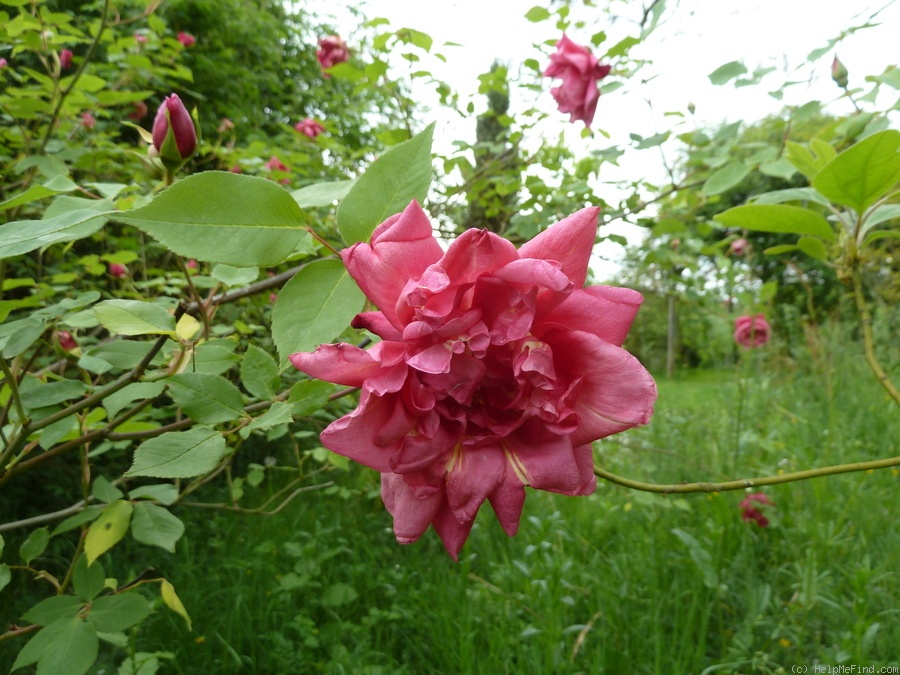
<point x="618" y="582"/>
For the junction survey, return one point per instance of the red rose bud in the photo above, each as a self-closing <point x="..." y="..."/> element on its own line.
<point x="66" y="341"/>
<point x="839" y="73"/>
<point x="117" y="270"/>
<point x="65" y="58"/>
<point x="186" y="39"/>
<point x="88" y="121"/>
<point x="174" y="133"/>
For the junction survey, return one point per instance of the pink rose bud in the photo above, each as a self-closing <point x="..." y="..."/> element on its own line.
<point x="739" y="246"/>
<point x="117" y="270"/>
<point x="191" y="264"/>
<point x="839" y="73"/>
<point x="88" y="121"/>
<point x="186" y="39"/>
<point x="332" y="50"/>
<point x="138" y="111"/>
<point x="752" y="331"/>
<point x="3" y="63"/>
<point x="65" y="58"/>
<point x="140" y="38"/>
<point x="750" y="511"/>
<point x="235" y="169"/>
<point x="182" y="126"/>
<point x="275" y="164"/>
<point x="66" y="341"/>
<point x="580" y="72"/>
<point x="309" y="127"/>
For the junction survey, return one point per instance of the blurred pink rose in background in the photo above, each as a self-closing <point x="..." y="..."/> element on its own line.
<point x="580" y="72"/>
<point x="332" y="50"/>
<point x="739" y="246"/>
<point x="65" y="58"/>
<point x="88" y="121"/>
<point x="496" y="370"/>
<point x="309" y="127"/>
<point x="751" y="331"/>
<point x="750" y="511"/>
<point x="117" y="270"/>
<point x="138" y="111"/>
<point x="186" y="39"/>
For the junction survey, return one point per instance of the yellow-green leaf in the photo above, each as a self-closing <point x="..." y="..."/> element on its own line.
<point x="108" y="529"/>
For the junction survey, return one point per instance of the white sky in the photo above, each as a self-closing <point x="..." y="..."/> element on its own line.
<point x="696" y="37"/>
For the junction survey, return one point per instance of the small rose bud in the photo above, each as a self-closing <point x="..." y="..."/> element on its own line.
<point x="186" y="39"/>
<point x="3" y="63"/>
<point x="839" y="73"/>
<point x="66" y="341"/>
<point x="739" y="246"/>
<point x="88" y="121"/>
<point x="138" y="111"/>
<point x="140" y="38"/>
<point x="691" y="108"/>
<point x="235" y="169"/>
<point x="117" y="270"/>
<point x="173" y="115"/>
<point x="65" y="58"/>
<point x="309" y="127"/>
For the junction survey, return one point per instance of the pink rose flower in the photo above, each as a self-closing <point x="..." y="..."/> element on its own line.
<point x="332" y="50"/>
<point x="182" y="126"/>
<point x="138" y="111"/>
<point x="88" y="121"/>
<point x="739" y="246"/>
<point x="751" y="331"/>
<point x="117" y="270"/>
<point x="275" y="164"/>
<point x="186" y="39"/>
<point x="749" y="510"/>
<point x="580" y="72"/>
<point x="140" y="38"/>
<point x="309" y="127"/>
<point x="235" y="169"/>
<point x="496" y="369"/>
<point x="3" y="63"/>
<point x="66" y="341"/>
<point x="65" y="58"/>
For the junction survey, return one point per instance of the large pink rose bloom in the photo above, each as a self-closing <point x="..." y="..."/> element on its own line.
<point x="580" y="72"/>
<point x="496" y="370"/>
<point x="332" y="50"/>
<point x="751" y="331"/>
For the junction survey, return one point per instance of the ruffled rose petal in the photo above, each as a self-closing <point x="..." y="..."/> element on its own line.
<point x="356" y="435"/>
<point x="452" y="532"/>
<point x="507" y="500"/>
<point x="338" y="363"/>
<point x="476" y="252"/>
<point x="568" y="242"/>
<point x="412" y="514"/>
<point x="605" y="311"/>
<point x="474" y="474"/>
<point x="376" y="322"/>
<point x="549" y="464"/>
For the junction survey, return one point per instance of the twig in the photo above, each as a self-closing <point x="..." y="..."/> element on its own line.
<point x="868" y="339"/>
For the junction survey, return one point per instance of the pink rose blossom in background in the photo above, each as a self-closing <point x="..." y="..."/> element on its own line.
<point x="88" y="121"/>
<point x="66" y="341"/>
<point x="140" y="38"/>
<point x="332" y="50"/>
<point x="309" y="127"/>
<point x="235" y="169"/>
<point x="65" y="58"/>
<point x="752" y="331"/>
<point x="3" y="63"/>
<point x="496" y="370"/>
<point x="739" y="246"/>
<point x="117" y="270"/>
<point x="750" y="511"/>
<point x="275" y="164"/>
<point x="138" y="111"/>
<point x="182" y="126"/>
<point x="186" y="39"/>
<point x="580" y="72"/>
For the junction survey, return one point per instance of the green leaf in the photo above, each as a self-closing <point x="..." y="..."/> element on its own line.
<point x="179" y="454"/>
<point x="278" y="413"/>
<point x="156" y="526"/>
<point x="214" y="358"/>
<point x="235" y="276"/>
<point x="79" y="519"/>
<point x="136" y="391"/>
<point x="5" y="576"/>
<point x="399" y="176"/>
<point x="52" y="187"/>
<point x="34" y="545"/>
<point x="259" y="373"/>
<point x="24" y="236"/>
<point x="134" y="317"/>
<point x="813" y="247"/>
<point x="123" y="354"/>
<point x="107" y="530"/>
<point x="315" y="306"/>
<point x="66" y="646"/>
<point x="808" y="162"/>
<point x="51" y="393"/>
<point x="309" y="396"/>
<point x="863" y="173"/>
<point x="164" y="493"/>
<point x="218" y="216"/>
<point x="726" y="72"/>
<point x="322" y="194"/>
<point x="875" y="235"/>
<point x="118" y="612"/>
<point x="208" y="399"/>
<point x="777" y="218"/>
<point x="339" y="594"/>
<point x="173" y="602"/>
<point x="105" y="491"/>
<point x="883" y="214"/>
<point x="53" y="609"/>
<point x="725" y="178"/>
<point x="88" y="581"/>
<point x="791" y="195"/>
<point x="537" y="13"/>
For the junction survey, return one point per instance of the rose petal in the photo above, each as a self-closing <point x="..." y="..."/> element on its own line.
<point x="475" y="473"/>
<point x="452" y="532"/>
<point x="605" y="311"/>
<point x="569" y="242"/>
<point x="339" y="363"/>
<point x="412" y="515"/>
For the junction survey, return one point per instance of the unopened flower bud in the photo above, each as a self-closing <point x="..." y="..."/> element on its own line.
<point x="839" y="73"/>
<point x="66" y="341"/>
<point x="186" y="39"/>
<point x="174" y="133"/>
<point x="65" y="58"/>
<point x="117" y="270"/>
